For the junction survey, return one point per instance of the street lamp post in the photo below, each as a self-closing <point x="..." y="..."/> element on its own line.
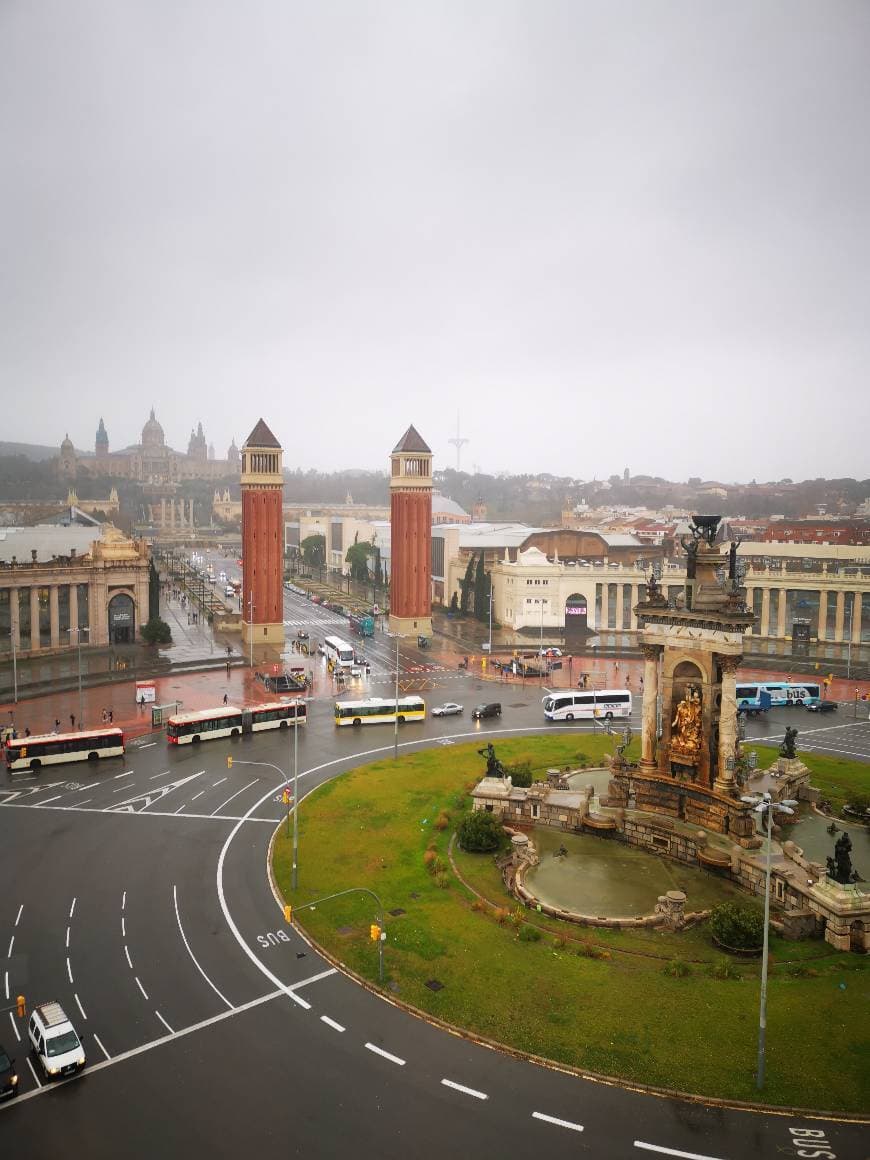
<point x="762" y="805"/>
<point x="295" y="870"/>
<point x="396" y="722"/>
<point x="78" y="632"/>
<point x="490" y="617"/>
<point x="251" y="626"/>
<point x="14" y="664"/>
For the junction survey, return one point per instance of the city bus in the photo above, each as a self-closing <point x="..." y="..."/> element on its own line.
<point x="380" y="711"/>
<point x="363" y="625"/>
<point x="758" y="696"/>
<point x="228" y="721"/>
<point x="604" y="704"/>
<point x="338" y="651"/>
<point x="56" y="748"/>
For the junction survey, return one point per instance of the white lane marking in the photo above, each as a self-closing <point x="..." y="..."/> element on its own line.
<point x="124" y="788"/>
<point x="33" y="1073"/>
<point x="180" y="808"/>
<point x="314" y="979"/>
<point x="11" y="943"/>
<point x="165" y="814"/>
<point x="18" y="916"/>
<point x="69" y="969"/>
<point x="148" y="745"/>
<point x="380" y="1051"/>
<point x="83" y="803"/>
<point x="129" y="960"/>
<point x="190" y="952"/>
<point x="6" y="973"/>
<point x="129" y="773"/>
<point x="163" y="1021"/>
<point x="67" y="938"/>
<point x="123" y="899"/>
<point x="165" y="773"/>
<point x="559" y="1123"/>
<point x="81" y="1008"/>
<point x="235" y="795"/>
<point x="14" y="1026"/>
<point x="47" y="800"/>
<point x="72" y="909"/>
<point x="123" y="927"/>
<point x="217" y="783"/>
<point x="141" y="988"/>
<point x="673" y="1151"/>
<point x="197" y="795"/>
<point x="148" y="797"/>
<point x="331" y="1023"/>
<point x="109" y="1062"/>
<point x="459" y="1087"/>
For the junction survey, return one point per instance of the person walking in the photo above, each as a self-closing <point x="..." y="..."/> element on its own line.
<point x="57" y="725"/>
<point x="226" y="699"/>
<point x="72" y="721"/>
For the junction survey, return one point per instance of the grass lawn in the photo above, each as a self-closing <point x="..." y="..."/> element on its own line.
<point x="618" y="1015"/>
<point x="837" y="778"/>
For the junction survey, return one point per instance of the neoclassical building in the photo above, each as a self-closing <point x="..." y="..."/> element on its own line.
<point x="151" y="460"/>
<point x="62" y="586"/>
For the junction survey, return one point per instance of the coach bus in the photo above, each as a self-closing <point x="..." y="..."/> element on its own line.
<point x="56" y="748"/>
<point x="338" y="651"/>
<point x="758" y="696"/>
<point x="380" y="711"/>
<point x="207" y="724"/>
<point x="596" y="703"/>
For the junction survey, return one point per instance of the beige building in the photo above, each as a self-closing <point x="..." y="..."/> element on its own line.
<point x="61" y="586"/>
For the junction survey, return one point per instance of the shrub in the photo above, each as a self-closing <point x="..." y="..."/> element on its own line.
<point x="738" y="925"/>
<point x="429" y="860"/>
<point x="520" y="773"/>
<point x="156" y="631"/>
<point x="529" y="933"/>
<point x="677" y="969"/>
<point x="480" y="832"/>
<point x="725" y="969"/>
<point x="500" y="915"/>
<point x="478" y="904"/>
<point x="588" y="950"/>
<point x="441" y="879"/>
<point x="859" y="802"/>
<point x="517" y="916"/>
<point x="559" y="943"/>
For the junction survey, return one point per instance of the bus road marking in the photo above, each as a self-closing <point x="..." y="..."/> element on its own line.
<point x="559" y="1123"/>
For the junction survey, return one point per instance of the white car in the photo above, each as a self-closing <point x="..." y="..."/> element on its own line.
<point x="451" y="709"/>
<point x="551" y="651"/>
<point x="54" y="1041"/>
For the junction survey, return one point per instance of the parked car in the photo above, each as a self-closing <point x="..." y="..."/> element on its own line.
<point x="822" y="707"/>
<point x="552" y="651"/>
<point x="491" y="709"/>
<point x="450" y="709"/>
<point x="8" y="1076"/>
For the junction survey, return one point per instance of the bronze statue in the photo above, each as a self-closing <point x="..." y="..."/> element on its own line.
<point x="494" y="767"/>
<point x="787" y="749"/>
<point x="732" y="559"/>
<point x="840" y="866"/>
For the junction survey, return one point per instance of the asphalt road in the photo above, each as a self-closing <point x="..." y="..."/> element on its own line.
<point x="136" y="894"/>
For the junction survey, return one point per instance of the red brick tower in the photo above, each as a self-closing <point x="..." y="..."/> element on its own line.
<point x="262" y="538"/>
<point x="411" y="536"/>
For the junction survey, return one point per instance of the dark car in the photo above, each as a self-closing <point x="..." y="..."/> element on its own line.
<point x="822" y="707"/>
<point x="8" y="1076"/>
<point x="492" y="709"/>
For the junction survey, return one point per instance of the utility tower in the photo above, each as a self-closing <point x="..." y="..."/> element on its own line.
<point x="458" y="442"/>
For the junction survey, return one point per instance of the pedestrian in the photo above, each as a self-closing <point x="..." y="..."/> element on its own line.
<point x="111" y="717"/>
<point x="26" y="730"/>
<point x="57" y="725"/>
<point x="616" y="666"/>
<point x="226" y="699"/>
<point x="105" y="716"/>
<point x="641" y="684"/>
<point x="72" y="721"/>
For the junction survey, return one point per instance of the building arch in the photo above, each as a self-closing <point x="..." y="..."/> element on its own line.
<point x="576" y="618"/>
<point x="121" y="618"/>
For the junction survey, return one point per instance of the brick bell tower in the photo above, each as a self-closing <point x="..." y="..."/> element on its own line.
<point x="262" y="539"/>
<point x="411" y="536"/>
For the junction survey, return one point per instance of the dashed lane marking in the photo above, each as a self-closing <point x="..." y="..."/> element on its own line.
<point x="163" y="1021"/>
<point x="194" y="959"/>
<point x="129" y="960"/>
<point x="118" y="776"/>
<point x="673" y="1151"/>
<point x="11" y="944"/>
<point x="235" y="795"/>
<point x="33" y="1073"/>
<point x="18" y="916"/>
<point x="141" y="988"/>
<point x="385" y="1054"/>
<point x="466" y="1091"/>
<point x="14" y="1026"/>
<point x="331" y="1023"/>
<point x="81" y="1008"/>
<point x="559" y="1123"/>
<point x="99" y="1044"/>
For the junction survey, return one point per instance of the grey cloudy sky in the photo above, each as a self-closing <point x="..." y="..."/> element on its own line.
<point x="608" y="233"/>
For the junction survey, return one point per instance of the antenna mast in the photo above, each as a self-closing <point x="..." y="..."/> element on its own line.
<point x="458" y="442"/>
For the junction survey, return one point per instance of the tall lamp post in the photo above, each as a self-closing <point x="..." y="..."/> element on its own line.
<point x="489" y="650"/>
<point x="78" y="632"/>
<point x="766" y="805"/>
<point x="396" y="722"/>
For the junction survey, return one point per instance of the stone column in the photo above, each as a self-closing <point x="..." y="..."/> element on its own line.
<point x="651" y="654"/>
<point x="73" y="611"/>
<point x="857" y="609"/>
<point x="780" y="613"/>
<point x="838" y="615"/>
<point x="764" y="627"/>
<point x="14" y="622"/>
<point x="54" y="616"/>
<point x="635" y="596"/>
<point x="725" y="780"/>
<point x="821" y="627"/>
<point x="190" y="514"/>
<point x="605" y="608"/>
<point x="34" y="617"/>
<point x="620" y="598"/>
<point x="163" y="511"/>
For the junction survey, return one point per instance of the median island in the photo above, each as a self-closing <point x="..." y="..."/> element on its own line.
<point x="646" y="1004"/>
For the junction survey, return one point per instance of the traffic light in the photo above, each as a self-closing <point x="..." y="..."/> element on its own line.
<point x="288" y="913"/>
<point x="22" y="1006"/>
<point x="374" y="932"/>
<point x="229" y="762"/>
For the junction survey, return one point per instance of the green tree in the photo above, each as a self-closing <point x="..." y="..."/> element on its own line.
<point x="738" y="925"/>
<point x="358" y="558"/>
<point x="314" y="549"/>
<point x="466" y="585"/>
<point x="379" y="567"/>
<point x="481" y="591"/>
<point x="480" y="832"/>
<point x="156" y="631"/>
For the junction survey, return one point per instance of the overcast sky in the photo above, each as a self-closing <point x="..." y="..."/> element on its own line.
<point x="608" y="234"/>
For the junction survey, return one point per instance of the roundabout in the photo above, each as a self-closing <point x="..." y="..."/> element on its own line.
<point x="139" y="897"/>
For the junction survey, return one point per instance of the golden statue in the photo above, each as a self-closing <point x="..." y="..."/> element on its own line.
<point x="686" y="725"/>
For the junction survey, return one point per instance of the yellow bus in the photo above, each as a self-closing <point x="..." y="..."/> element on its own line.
<point x="380" y="711"/>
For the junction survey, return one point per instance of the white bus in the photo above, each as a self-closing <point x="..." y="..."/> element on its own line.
<point x="207" y="724"/>
<point x="604" y="704"/>
<point x="55" y="748"/>
<point x="338" y="651"/>
<point x="380" y="711"/>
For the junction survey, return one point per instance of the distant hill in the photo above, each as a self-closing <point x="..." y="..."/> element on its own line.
<point x="34" y="451"/>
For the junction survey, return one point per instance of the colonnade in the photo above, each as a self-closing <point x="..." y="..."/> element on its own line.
<point x="848" y="610"/>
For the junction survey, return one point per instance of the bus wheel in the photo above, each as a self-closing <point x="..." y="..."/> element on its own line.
<point x="608" y="716"/>
<point x="35" y="764"/>
<point x="569" y="716"/>
<point x="93" y="756"/>
<point x="234" y="733"/>
<point x="283" y="725"/>
<point x="357" y="721"/>
<point x="195" y="739"/>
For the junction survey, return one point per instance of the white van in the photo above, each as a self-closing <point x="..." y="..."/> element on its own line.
<point x="54" y="1041"/>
